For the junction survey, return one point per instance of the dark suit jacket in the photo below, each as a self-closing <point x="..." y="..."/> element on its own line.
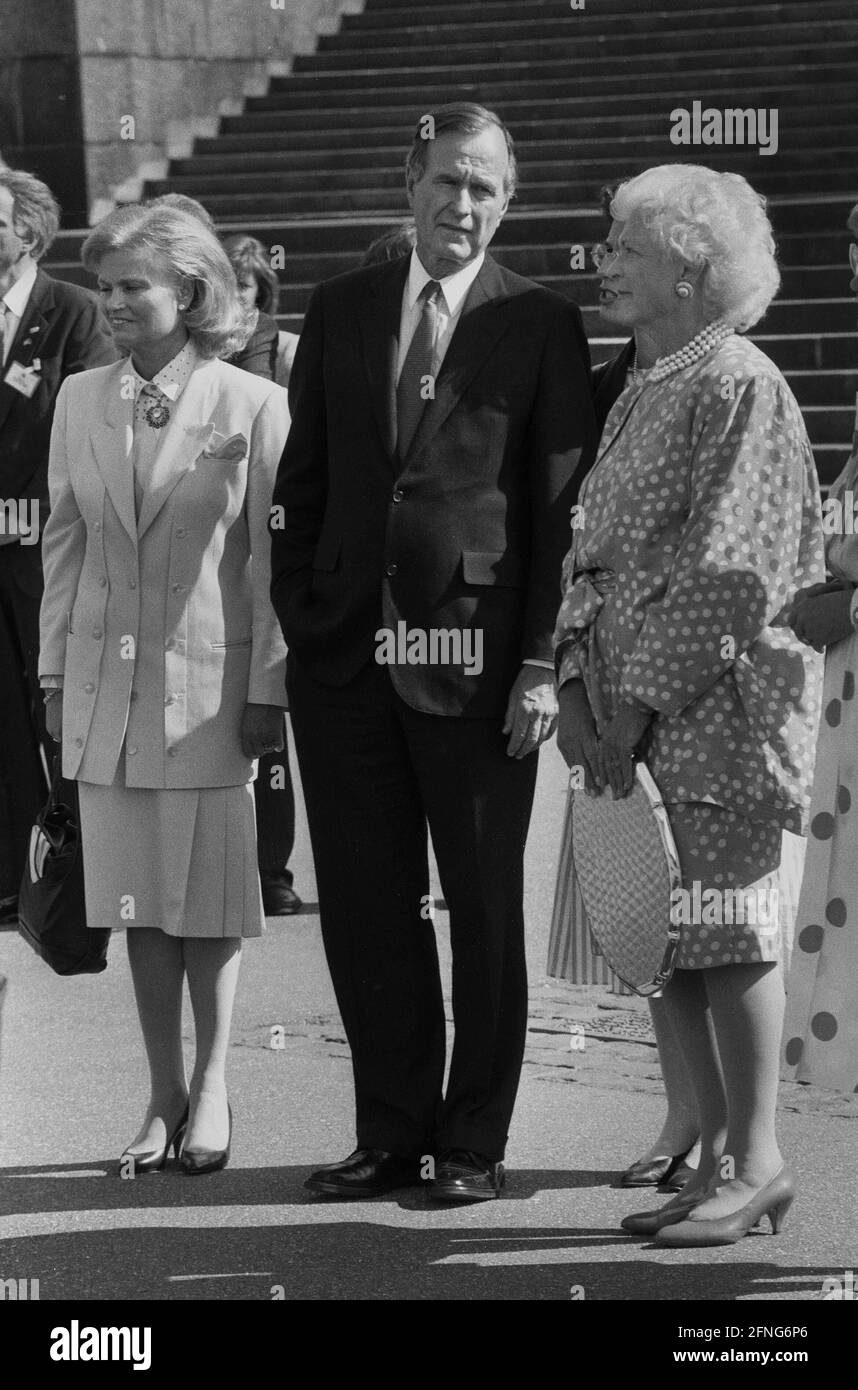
<point x="609" y="378"/>
<point x="64" y="327"/>
<point x="470" y="529"/>
<point x="259" y="354"/>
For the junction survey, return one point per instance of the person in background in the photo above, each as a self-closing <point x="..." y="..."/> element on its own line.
<point x="395" y="242"/>
<point x="160" y="651"/>
<point x="49" y="330"/>
<point x="182" y="203"/>
<point x="269" y="352"/>
<point x="701" y="519"/>
<point x="821" y="1026"/>
<point x="258" y="288"/>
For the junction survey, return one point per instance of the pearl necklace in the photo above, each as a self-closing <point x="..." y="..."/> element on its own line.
<point x="711" y="336"/>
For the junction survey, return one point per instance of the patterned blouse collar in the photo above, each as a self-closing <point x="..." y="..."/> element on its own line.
<point x="172" y="379"/>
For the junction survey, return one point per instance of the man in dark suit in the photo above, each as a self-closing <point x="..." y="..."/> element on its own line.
<point x="421" y="514"/>
<point x="47" y="330"/>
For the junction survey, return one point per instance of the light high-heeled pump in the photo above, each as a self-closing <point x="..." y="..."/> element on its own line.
<point x="774" y="1200"/>
<point x="154" y="1160"/>
<point x="197" y="1161"/>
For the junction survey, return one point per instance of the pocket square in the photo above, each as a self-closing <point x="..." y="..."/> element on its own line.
<point x="235" y="447"/>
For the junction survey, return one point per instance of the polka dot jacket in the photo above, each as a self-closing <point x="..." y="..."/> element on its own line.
<point x="698" y="522"/>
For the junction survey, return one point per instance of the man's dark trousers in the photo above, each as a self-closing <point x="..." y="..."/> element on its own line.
<point x="374" y="771"/>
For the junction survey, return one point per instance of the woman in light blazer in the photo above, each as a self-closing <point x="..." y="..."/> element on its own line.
<point x="160" y="652"/>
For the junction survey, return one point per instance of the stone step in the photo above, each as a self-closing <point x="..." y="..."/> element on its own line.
<point x="537" y="97"/>
<point x="486" y="22"/>
<point x="395" y="15"/>
<point x="570" y="171"/>
<point x="800" y="144"/>
<point x="636" y="40"/>
<point x="392" y="201"/>
<point x="609" y="132"/>
<point x="655" y="73"/>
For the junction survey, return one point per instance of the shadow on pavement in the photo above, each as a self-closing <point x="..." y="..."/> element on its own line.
<point x="97" y="1186"/>
<point x="168" y="1237"/>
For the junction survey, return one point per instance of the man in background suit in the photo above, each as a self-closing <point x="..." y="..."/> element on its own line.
<point x="440" y="404"/>
<point x="49" y="330"/>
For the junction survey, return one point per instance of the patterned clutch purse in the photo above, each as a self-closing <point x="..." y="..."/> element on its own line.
<point x="626" y="863"/>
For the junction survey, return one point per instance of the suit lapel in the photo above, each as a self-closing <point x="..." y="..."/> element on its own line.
<point x="27" y="341"/>
<point x="481" y="323"/>
<point x="111" y="438"/>
<point x="184" y="439"/>
<point x="379" y="323"/>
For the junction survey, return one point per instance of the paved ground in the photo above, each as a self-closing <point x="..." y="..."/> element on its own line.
<point x="72" y="1079"/>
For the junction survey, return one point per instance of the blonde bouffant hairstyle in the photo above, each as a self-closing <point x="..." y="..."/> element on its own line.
<point x="716" y="224"/>
<point x="216" y="320"/>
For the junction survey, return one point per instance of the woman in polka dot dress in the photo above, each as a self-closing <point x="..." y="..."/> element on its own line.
<point x="821" y="1027"/>
<point x="697" y="525"/>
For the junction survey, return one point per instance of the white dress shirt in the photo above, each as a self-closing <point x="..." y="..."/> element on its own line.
<point x="454" y="290"/>
<point x="15" y="303"/>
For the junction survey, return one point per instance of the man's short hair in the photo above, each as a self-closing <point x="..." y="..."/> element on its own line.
<point x="35" y="210"/>
<point x="463" y="118"/>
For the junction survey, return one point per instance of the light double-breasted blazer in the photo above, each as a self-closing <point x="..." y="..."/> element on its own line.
<point x="161" y="625"/>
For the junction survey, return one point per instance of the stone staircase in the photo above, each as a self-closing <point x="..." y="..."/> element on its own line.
<point x="316" y="165"/>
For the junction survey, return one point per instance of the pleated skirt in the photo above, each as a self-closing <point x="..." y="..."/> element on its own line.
<point x="182" y="861"/>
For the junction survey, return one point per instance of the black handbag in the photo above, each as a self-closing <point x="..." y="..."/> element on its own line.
<point x="51" y="904"/>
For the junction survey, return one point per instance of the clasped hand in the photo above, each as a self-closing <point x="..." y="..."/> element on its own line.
<point x="819" y="615"/>
<point x="605" y="761"/>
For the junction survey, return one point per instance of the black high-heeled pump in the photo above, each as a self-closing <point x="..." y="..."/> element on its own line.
<point x="653" y="1172"/>
<point x="197" y="1161"/>
<point x="154" y="1160"/>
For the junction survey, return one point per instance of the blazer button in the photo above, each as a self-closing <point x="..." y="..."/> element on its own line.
<point x="392" y="569"/>
<point x="171" y="752"/>
<point x="132" y="750"/>
<point x="178" y="588"/>
<point x="78" y="743"/>
<point x="181" y="531"/>
<point x="398" y="494"/>
<point x="89" y="688"/>
<point x="169" y="699"/>
<point x="132" y="583"/>
<point x="98" y="526"/>
<point x="102" y="583"/>
<point x="96" y="632"/>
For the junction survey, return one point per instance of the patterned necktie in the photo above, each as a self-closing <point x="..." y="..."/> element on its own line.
<point x="151" y="407"/>
<point x="411" y="394"/>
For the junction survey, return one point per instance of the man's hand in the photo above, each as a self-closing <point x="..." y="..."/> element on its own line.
<point x="619" y="742"/>
<point x="531" y="711"/>
<point x="262" y="730"/>
<point x="821" y="619"/>
<point x="54" y="717"/>
<point x="576" y="735"/>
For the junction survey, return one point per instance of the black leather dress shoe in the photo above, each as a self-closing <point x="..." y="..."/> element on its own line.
<point x="365" y="1173"/>
<point x="464" y="1176"/>
<point x="279" y="898"/>
<point x="9" y="910"/>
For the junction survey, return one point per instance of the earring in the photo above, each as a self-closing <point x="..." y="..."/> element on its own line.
<point x="684" y="289"/>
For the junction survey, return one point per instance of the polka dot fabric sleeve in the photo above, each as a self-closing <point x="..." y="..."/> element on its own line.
<point x="740" y="549"/>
